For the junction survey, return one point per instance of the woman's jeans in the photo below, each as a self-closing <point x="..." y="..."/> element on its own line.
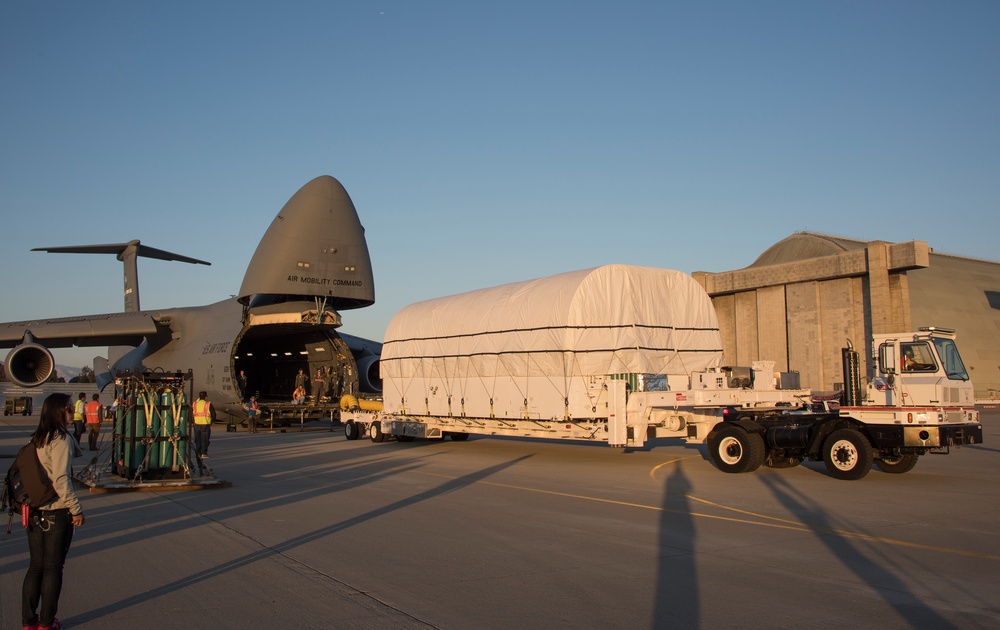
<point x="49" y="536"/>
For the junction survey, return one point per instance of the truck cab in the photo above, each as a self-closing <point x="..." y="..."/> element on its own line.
<point x="919" y="369"/>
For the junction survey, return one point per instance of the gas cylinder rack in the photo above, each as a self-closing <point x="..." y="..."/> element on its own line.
<point x="151" y="438"/>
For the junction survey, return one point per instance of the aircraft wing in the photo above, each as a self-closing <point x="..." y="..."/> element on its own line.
<point x="112" y="329"/>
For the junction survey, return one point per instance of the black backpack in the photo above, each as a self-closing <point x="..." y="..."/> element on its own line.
<point x="26" y="485"/>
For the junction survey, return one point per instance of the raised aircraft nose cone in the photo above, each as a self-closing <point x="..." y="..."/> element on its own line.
<point x="315" y="247"/>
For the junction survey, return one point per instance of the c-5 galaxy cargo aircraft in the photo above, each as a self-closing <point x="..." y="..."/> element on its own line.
<point x="312" y="263"/>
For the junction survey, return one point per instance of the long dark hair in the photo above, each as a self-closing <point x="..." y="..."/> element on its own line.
<point x="53" y="420"/>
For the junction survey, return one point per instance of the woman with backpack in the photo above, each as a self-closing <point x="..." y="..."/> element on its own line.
<point x="50" y="529"/>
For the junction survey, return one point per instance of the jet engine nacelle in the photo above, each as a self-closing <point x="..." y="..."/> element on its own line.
<point x="369" y="374"/>
<point x="30" y="364"/>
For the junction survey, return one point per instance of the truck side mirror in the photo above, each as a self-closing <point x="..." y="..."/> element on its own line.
<point x="887" y="358"/>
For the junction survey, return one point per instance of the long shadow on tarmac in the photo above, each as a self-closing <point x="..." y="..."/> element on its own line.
<point x="103" y="530"/>
<point x="677" y="574"/>
<point x="879" y="578"/>
<point x="288" y="545"/>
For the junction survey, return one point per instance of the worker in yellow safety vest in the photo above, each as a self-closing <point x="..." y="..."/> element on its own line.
<point x="79" y="413"/>
<point x="204" y="414"/>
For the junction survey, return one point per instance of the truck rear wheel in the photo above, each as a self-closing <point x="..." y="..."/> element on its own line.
<point x="734" y="450"/>
<point x="847" y="454"/>
<point x="897" y="464"/>
<point x="375" y="432"/>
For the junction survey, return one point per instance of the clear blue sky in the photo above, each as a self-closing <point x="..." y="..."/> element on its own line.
<point x="484" y="143"/>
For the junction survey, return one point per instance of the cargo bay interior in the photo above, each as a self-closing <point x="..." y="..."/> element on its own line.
<point x="271" y="355"/>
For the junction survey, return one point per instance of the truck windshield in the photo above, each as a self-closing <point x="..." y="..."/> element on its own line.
<point x="953" y="365"/>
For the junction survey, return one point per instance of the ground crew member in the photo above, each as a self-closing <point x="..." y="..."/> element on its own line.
<point x="241" y="383"/>
<point x="93" y="411"/>
<point x="319" y="385"/>
<point x="301" y="380"/>
<point x="203" y="416"/>
<point x="79" y="415"/>
<point x="252" y="409"/>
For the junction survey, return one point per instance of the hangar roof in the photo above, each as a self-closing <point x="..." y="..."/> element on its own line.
<point x="805" y="245"/>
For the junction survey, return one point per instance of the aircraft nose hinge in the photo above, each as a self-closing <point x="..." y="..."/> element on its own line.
<point x="320" y="308"/>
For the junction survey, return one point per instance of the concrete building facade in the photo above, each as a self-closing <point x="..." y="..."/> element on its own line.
<point x="806" y="296"/>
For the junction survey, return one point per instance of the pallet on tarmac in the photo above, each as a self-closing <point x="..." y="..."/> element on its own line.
<point x="103" y="481"/>
<point x="124" y="485"/>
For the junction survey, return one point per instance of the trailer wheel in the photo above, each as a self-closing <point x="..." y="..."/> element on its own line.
<point x="375" y="432"/>
<point x="897" y="464"/>
<point x="459" y="437"/>
<point x="734" y="450"/>
<point x="405" y="438"/>
<point x="351" y="430"/>
<point x="847" y="454"/>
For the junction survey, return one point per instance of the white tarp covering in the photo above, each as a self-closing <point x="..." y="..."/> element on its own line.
<point x="614" y="319"/>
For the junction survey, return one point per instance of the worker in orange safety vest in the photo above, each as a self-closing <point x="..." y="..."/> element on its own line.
<point x="93" y="411"/>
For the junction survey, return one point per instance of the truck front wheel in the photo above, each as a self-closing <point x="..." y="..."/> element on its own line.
<point x="351" y="430"/>
<point x="375" y="432"/>
<point x="734" y="450"/>
<point x="847" y="454"/>
<point x="897" y="464"/>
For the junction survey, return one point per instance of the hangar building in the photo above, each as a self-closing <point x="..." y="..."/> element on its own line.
<point x="804" y="297"/>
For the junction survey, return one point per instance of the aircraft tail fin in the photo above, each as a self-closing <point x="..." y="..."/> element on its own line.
<point x="127" y="253"/>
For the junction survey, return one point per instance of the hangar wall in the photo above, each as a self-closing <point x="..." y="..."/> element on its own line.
<point x="801" y="314"/>
<point x="803" y="298"/>
<point x="964" y="294"/>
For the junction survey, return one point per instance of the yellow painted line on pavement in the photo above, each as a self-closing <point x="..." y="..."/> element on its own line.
<point x="777" y="523"/>
<point x="846" y="533"/>
<point x="652" y="473"/>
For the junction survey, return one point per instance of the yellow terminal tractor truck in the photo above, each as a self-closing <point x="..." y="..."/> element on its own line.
<point x="624" y="354"/>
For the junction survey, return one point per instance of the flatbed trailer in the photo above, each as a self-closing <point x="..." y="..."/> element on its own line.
<point x="285" y="414"/>
<point x="511" y="375"/>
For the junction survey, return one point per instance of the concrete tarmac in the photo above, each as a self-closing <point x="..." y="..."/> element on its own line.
<point x="320" y="532"/>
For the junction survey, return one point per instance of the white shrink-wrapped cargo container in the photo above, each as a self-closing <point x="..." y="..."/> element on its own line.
<point x="543" y="349"/>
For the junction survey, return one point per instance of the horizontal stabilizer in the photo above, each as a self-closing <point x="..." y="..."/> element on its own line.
<point x="119" y="249"/>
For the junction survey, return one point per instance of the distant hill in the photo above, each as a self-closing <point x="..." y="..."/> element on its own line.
<point x="68" y="372"/>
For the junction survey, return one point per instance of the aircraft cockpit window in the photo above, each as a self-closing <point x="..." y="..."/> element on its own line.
<point x="917" y="357"/>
